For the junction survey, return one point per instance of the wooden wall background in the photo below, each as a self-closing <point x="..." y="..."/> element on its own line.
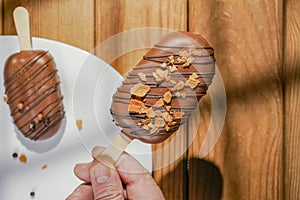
<point x="257" y="44"/>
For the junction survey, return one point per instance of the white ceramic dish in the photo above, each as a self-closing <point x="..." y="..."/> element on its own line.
<point x="87" y="85"/>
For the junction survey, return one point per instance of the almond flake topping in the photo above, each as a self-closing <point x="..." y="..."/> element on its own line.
<point x="172" y="68"/>
<point x="178" y="86"/>
<point x="172" y="82"/>
<point x="192" y="48"/>
<point x="136" y="106"/>
<point x="142" y="76"/>
<point x="183" y="55"/>
<point x="156" y="77"/>
<point x="193" y="81"/>
<point x="159" y="122"/>
<point x="178" y="115"/>
<point x="188" y="62"/>
<point x="162" y="73"/>
<point x="140" y="90"/>
<point x="159" y="103"/>
<point x="153" y="130"/>
<point x="163" y="65"/>
<point x="171" y="59"/>
<point x="167" y="97"/>
<point x="150" y="113"/>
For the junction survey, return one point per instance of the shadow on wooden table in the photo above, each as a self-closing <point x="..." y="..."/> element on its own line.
<point x="205" y="180"/>
<point x="202" y="180"/>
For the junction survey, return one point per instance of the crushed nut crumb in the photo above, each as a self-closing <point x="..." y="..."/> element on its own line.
<point x="23" y="158"/>
<point x="44" y="167"/>
<point x="150" y="113"/>
<point x="168" y="97"/>
<point x="159" y="103"/>
<point x="163" y="65"/>
<point x="140" y="90"/>
<point x="137" y="106"/>
<point x="178" y="115"/>
<point x="142" y="76"/>
<point x="159" y="122"/>
<point x="79" y="124"/>
<point x="178" y="86"/>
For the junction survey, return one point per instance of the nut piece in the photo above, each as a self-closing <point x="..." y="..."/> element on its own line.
<point x="163" y="65"/>
<point x="79" y="124"/>
<point x="142" y="76"/>
<point x="162" y="73"/>
<point x="156" y="77"/>
<point x="193" y="81"/>
<point x="40" y="116"/>
<point x="178" y="115"/>
<point x="188" y="62"/>
<point x="172" y="68"/>
<point x="23" y="158"/>
<point x="167" y="97"/>
<point x="159" y="122"/>
<point x="178" y="86"/>
<point x="20" y="106"/>
<point x="136" y="106"/>
<point x="159" y="103"/>
<point x="140" y="90"/>
<point x="150" y="113"/>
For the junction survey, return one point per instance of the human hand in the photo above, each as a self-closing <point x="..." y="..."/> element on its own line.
<point x="128" y="179"/>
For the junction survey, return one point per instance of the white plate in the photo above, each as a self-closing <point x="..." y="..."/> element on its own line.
<point x="87" y="85"/>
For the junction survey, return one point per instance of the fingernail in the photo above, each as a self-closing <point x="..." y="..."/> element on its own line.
<point x="101" y="173"/>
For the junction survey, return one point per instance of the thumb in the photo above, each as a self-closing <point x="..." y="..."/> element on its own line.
<point x="106" y="182"/>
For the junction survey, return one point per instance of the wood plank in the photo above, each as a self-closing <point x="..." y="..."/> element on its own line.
<point x="118" y="16"/>
<point x="1" y="17"/>
<point x="292" y="102"/>
<point x="247" y="37"/>
<point x="57" y="20"/>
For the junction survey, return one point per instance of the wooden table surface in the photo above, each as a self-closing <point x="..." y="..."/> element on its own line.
<point x="257" y="45"/>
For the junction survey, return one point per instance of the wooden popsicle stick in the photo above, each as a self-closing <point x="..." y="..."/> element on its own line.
<point x="113" y="152"/>
<point x="21" y="18"/>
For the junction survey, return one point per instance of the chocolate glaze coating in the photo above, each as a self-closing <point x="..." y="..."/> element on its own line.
<point x="172" y="44"/>
<point x="33" y="93"/>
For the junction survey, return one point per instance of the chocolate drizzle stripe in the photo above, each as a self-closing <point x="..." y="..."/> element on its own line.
<point x="55" y="119"/>
<point x="183" y="47"/>
<point x="39" y="100"/>
<point x="25" y="68"/>
<point x="210" y="61"/>
<point x="164" y="85"/>
<point x="176" y="74"/>
<point x="160" y="131"/>
<point x="50" y="90"/>
<point x="154" y="96"/>
<point x="46" y="79"/>
<point x="30" y="78"/>
<point x="154" y="58"/>
<point x="127" y="91"/>
<point x="174" y="108"/>
<point x="144" y="67"/>
<point x="51" y="106"/>
<point x="53" y="124"/>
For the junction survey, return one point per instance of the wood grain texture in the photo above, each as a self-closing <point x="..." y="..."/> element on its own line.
<point x="117" y="16"/>
<point x="292" y="99"/>
<point x="170" y="165"/>
<point x="60" y="20"/>
<point x="1" y="17"/>
<point x="248" y="45"/>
